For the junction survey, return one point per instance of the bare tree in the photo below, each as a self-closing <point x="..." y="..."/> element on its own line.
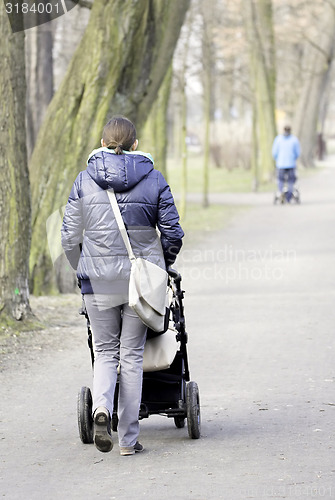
<point x="258" y="21"/>
<point x="39" y="77"/>
<point x="49" y="49"/>
<point x="319" y="54"/>
<point x="208" y="59"/>
<point x="181" y="75"/>
<point x="14" y="180"/>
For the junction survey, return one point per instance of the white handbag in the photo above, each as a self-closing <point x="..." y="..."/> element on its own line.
<point x="148" y="291"/>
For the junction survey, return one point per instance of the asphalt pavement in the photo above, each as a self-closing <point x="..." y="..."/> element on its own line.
<point x="260" y="314"/>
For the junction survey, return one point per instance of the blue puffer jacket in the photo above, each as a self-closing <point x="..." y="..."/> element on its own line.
<point x="90" y="236"/>
<point x="286" y="150"/>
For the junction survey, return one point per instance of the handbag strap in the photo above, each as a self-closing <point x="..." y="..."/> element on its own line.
<point x="120" y="223"/>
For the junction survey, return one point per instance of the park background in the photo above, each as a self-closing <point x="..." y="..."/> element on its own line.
<point x="208" y="84"/>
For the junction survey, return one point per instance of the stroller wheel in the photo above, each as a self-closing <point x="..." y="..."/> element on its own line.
<point x="276" y="198"/>
<point x="193" y="410"/>
<point x="296" y="196"/>
<point x="84" y="413"/>
<point x="179" y="422"/>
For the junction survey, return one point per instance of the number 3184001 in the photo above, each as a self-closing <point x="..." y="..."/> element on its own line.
<point x="35" y="8"/>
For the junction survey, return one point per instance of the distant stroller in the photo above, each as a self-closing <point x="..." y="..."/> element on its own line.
<point x="167" y="392"/>
<point x="287" y="178"/>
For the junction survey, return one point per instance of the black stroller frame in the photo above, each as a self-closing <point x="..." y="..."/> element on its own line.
<point x="166" y="392"/>
<point x="281" y="198"/>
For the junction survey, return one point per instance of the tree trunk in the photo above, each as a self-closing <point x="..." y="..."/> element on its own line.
<point x="258" y="21"/>
<point x="49" y="49"/>
<point x="181" y="87"/>
<point x="14" y="180"/>
<point x="184" y="152"/>
<point x="39" y="77"/>
<point x="117" y="68"/>
<point x="175" y="117"/>
<point x="154" y="135"/>
<point x="208" y="66"/>
<point x="68" y="31"/>
<point x="317" y="70"/>
<point x="205" y="186"/>
<point x="254" y="151"/>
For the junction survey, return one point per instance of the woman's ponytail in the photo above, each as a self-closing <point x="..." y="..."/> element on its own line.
<point x="118" y="149"/>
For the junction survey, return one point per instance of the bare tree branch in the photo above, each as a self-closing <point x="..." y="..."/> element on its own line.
<point x="317" y="47"/>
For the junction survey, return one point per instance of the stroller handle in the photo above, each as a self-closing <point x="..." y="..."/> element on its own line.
<point x="173" y="274"/>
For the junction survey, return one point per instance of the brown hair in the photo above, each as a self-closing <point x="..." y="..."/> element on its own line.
<point x="119" y="133"/>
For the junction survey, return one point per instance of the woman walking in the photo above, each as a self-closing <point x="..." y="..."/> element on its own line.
<point x="94" y="247"/>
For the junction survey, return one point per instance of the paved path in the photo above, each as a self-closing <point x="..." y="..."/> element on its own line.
<point x="260" y="316"/>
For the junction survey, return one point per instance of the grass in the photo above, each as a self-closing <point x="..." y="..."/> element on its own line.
<point x="221" y="180"/>
<point x="9" y="326"/>
<point x="207" y="219"/>
<point x="199" y="221"/>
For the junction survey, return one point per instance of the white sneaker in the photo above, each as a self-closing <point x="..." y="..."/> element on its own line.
<point x="131" y="450"/>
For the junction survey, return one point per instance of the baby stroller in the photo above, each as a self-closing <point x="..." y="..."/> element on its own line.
<point x="282" y="197"/>
<point x="167" y="392"/>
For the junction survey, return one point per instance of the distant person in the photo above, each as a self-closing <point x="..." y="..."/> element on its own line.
<point x="286" y="151"/>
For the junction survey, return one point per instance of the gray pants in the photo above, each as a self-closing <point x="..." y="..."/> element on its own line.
<point x="119" y="337"/>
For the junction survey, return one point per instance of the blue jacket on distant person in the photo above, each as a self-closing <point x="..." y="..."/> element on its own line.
<point x="286" y="150"/>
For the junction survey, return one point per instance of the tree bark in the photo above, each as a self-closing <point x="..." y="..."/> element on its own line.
<point x="49" y="49"/>
<point x="67" y="32"/>
<point x="208" y="90"/>
<point x="39" y="77"/>
<point x="258" y="22"/>
<point x="254" y="150"/>
<point x="184" y="151"/>
<point x="317" y="69"/>
<point x="154" y="134"/>
<point x="14" y="179"/>
<point x="181" y="76"/>
<point x="118" y="67"/>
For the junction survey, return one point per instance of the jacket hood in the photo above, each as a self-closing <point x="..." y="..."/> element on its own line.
<point x="120" y="172"/>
